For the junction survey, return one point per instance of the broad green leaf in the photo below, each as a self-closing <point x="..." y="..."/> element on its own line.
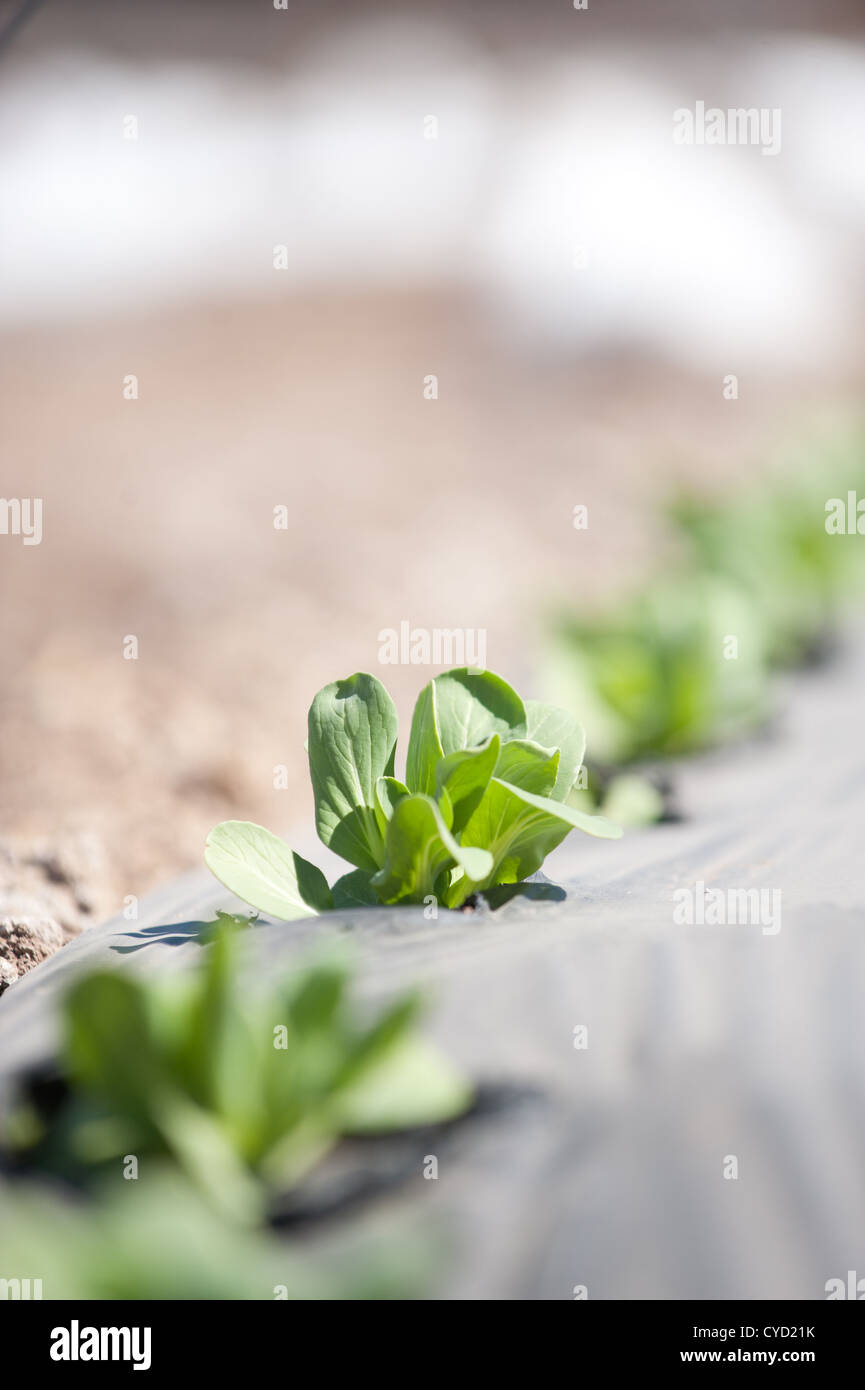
<point x="419" y="848"/>
<point x="318" y="1033"/>
<point x="424" y="744"/>
<point x="318" y="997"/>
<point x="461" y="780"/>
<point x="552" y="727"/>
<point x="109" y="1040"/>
<point x="388" y="1031"/>
<point x="261" y="869"/>
<point x="202" y="1147"/>
<point x="352" y="741"/>
<point x="297" y="1150"/>
<point x="520" y="829"/>
<point x="203" y="1018"/>
<point x="354" y="890"/>
<point x="472" y="705"/>
<point x="214" y="1052"/>
<point x="528" y="765"/>
<point x="388" y="791"/>
<point x="413" y="1085"/>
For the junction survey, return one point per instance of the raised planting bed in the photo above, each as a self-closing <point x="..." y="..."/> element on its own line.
<point x="607" y="1166"/>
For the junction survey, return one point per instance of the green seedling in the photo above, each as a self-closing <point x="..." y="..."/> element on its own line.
<point x="679" y="668"/>
<point x="243" y="1089"/>
<point x="629" y="798"/>
<point x="483" y="803"/>
<point x="778" y="545"/>
<point x="160" y="1239"/>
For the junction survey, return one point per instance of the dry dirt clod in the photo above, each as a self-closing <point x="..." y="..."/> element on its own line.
<point x="45" y="899"/>
<point x="24" y="942"/>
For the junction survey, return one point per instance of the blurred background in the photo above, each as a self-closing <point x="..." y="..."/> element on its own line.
<point x="282" y="223"/>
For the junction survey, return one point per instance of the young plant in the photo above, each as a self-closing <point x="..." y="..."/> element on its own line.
<point x="483" y="803"/>
<point x="680" y="667"/>
<point x="630" y="798"/>
<point x="775" y="546"/>
<point x="160" y="1239"/>
<point x="243" y="1091"/>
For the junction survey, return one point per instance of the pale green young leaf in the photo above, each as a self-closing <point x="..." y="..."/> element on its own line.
<point x="413" y="1084"/>
<point x="528" y="765"/>
<point x="552" y="727"/>
<point x="473" y="705"/>
<point x="199" y="1142"/>
<point x="388" y="791"/>
<point x="419" y="848"/>
<point x="424" y="744"/>
<point x="372" y="1047"/>
<point x="520" y="829"/>
<point x="260" y="869"/>
<point x="461" y="780"/>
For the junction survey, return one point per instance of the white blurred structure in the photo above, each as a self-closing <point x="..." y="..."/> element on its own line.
<point x="553" y="187"/>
